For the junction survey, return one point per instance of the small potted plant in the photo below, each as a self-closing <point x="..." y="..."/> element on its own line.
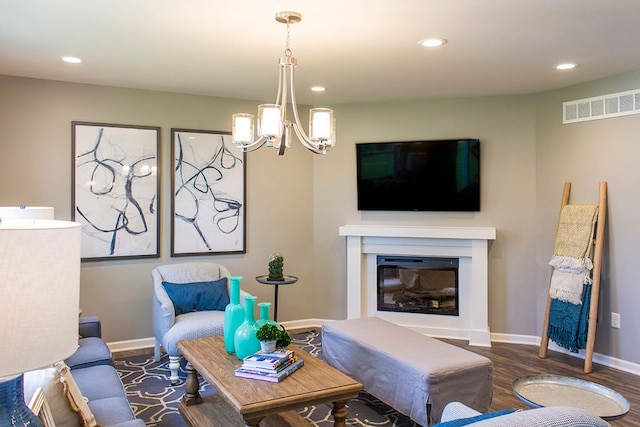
<point x="268" y="335"/>
<point x="272" y="335"/>
<point x="276" y="263"/>
<point x="283" y="338"/>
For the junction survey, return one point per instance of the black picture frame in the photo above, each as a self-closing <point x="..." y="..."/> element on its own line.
<point x="208" y="209"/>
<point x="116" y="189"/>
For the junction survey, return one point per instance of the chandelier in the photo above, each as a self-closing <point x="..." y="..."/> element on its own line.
<point x="274" y="129"/>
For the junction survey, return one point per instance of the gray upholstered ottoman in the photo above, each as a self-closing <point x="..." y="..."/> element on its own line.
<point x="407" y="370"/>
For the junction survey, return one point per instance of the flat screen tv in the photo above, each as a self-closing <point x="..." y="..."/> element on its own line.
<point x="440" y="175"/>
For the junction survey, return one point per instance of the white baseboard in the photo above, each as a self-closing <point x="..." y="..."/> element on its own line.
<point x="601" y="359"/>
<point x="515" y="339"/>
<point x="305" y="323"/>
<point x="143" y="343"/>
<point x="131" y="344"/>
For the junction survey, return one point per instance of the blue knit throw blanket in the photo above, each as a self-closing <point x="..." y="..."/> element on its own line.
<point x="568" y="322"/>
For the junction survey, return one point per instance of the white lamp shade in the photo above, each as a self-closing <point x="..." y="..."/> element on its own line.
<point x="321" y="124"/>
<point x="26" y="212"/>
<point x="40" y="290"/>
<point x="332" y="141"/>
<point x="242" y="128"/>
<point x="269" y="120"/>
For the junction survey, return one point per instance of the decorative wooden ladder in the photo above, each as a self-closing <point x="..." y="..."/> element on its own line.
<point x="598" y="243"/>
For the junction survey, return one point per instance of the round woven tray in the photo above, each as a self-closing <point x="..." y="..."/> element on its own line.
<point x="550" y="390"/>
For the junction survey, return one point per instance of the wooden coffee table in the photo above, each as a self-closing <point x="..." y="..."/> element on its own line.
<point x="252" y="402"/>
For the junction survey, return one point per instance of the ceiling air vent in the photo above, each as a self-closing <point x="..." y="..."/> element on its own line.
<point x="602" y="107"/>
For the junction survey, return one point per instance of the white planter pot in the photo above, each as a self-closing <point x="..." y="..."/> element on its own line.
<point x="268" y="346"/>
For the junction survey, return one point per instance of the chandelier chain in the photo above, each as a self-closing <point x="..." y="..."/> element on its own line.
<point x="287" y="51"/>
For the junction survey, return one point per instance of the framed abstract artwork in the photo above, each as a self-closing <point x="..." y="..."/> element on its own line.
<point x="115" y="189"/>
<point x="208" y="187"/>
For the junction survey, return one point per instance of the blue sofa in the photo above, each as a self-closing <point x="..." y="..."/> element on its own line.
<point x="91" y="367"/>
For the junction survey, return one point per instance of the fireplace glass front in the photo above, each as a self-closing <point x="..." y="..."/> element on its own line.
<point x="426" y="285"/>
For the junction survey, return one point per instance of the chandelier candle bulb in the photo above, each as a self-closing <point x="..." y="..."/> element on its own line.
<point x="320" y="121"/>
<point x="243" y="130"/>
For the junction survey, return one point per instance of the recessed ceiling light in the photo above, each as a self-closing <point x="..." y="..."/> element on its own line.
<point x="566" y="66"/>
<point x="71" y="59"/>
<point x="432" y="42"/>
<point x="318" y="88"/>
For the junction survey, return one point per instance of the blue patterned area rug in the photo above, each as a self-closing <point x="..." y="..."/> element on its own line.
<point x="155" y="400"/>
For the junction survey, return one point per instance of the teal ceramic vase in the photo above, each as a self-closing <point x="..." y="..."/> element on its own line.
<point x="233" y="314"/>
<point x="265" y="318"/>
<point x="245" y="341"/>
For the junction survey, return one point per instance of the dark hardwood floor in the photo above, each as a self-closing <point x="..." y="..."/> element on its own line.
<point x="511" y="361"/>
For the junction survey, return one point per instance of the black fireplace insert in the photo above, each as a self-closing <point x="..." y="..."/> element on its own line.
<point x="411" y="284"/>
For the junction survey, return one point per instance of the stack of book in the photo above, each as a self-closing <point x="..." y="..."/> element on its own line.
<point x="274" y="366"/>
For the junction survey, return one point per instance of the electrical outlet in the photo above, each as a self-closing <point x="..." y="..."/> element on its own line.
<point x="615" y="320"/>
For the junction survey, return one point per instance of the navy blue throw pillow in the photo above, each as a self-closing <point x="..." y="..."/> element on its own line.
<point x="198" y="296"/>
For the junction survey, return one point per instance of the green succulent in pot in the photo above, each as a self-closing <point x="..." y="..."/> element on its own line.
<point x="276" y="263"/>
<point x="283" y="338"/>
<point x="268" y="332"/>
<point x="271" y="332"/>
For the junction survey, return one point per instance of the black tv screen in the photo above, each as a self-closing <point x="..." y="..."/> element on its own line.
<point x="442" y="175"/>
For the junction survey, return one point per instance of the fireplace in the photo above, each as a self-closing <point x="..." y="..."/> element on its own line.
<point x="418" y="285"/>
<point x="469" y="245"/>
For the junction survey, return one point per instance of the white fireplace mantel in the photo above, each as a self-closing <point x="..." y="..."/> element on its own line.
<point x="469" y="244"/>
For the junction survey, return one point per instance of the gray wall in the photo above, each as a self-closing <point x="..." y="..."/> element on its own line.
<point x="296" y="203"/>
<point x="35" y="169"/>
<point x="584" y="154"/>
<point x="506" y="128"/>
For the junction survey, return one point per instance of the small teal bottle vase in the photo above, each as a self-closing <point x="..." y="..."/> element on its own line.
<point x="233" y="314"/>
<point x="245" y="341"/>
<point x="265" y="318"/>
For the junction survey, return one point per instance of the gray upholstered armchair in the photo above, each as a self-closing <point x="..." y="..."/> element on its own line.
<point x="169" y="327"/>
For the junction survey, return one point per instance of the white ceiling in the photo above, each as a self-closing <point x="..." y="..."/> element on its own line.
<point x="361" y="50"/>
